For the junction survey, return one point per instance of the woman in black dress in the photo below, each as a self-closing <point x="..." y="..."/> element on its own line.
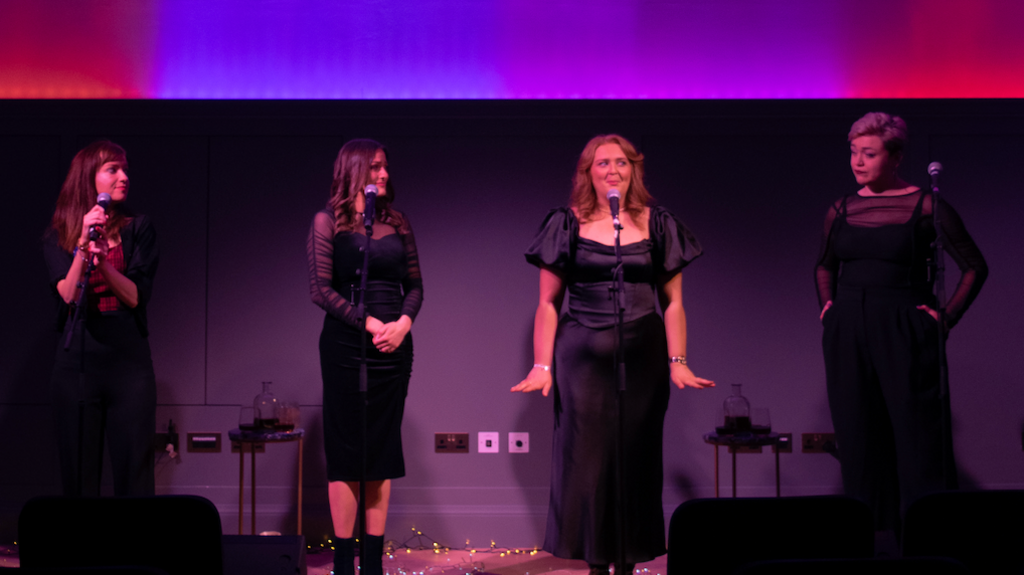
<point x="393" y="297"/>
<point x="574" y="354"/>
<point x="881" y="325"/>
<point x="112" y="384"/>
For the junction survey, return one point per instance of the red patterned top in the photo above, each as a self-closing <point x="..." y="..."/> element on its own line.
<point x="99" y="291"/>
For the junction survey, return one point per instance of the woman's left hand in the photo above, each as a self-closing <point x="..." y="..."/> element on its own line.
<point x="931" y="312"/>
<point x="682" y="377"/>
<point x="388" y="338"/>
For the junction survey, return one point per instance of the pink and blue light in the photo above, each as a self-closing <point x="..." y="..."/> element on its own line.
<point x="470" y="49"/>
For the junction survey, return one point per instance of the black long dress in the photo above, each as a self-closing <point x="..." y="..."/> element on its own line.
<point x="119" y="387"/>
<point x="881" y="352"/>
<point x="581" y="516"/>
<point x="394" y="289"/>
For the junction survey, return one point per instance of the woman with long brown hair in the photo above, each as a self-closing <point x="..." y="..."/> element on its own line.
<point x="106" y="373"/>
<point x="392" y="300"/>
<point x="574" y="354"/>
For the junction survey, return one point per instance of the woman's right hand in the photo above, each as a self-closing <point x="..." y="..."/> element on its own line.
<point x="828" y="304"/>
<point x="538" y="378"/>
<point x="373" y="325"/>
<point x="97" y="216"/>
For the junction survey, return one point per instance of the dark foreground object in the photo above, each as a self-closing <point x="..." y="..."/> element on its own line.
<point x="981" y="529"/>
<point x="718" y="536"/>
<point x="177" y="534"/>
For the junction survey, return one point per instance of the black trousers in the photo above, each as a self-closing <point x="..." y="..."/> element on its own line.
<point x="882" y="373"/>
<point x="119" y="395"/>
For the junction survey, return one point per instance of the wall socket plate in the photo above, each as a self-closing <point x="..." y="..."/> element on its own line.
<point x="818" y="442"/>
<point x="487" y="442"/>
<point x="451" y="442"/>
<point x="519" y="442"/>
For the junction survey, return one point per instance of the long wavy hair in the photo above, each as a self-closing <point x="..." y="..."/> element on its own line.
<point x="351" y="175"/>
<point x="583" y="196"/>
<point x="78" y="194"/>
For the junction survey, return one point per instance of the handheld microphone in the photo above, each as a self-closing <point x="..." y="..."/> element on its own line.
<point x="368" y="210"/>
<point x="934" y="169"/>
<point x="103" y="201"/>
<point x="613" y="203"/>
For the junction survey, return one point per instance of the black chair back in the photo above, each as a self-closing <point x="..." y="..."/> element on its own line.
<point x="717" y="536"/>
<point x="981" y="529"/>
<point x="178" y="534"/>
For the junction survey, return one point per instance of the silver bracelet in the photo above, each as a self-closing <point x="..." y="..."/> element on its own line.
<point x="542" y="366"/>
<point x="677" y="359"/>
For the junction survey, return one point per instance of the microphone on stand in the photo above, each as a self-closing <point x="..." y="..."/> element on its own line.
<point x="103" y="201"/>
<point x="934" y="169"/>
<point x="368" y="211"/>
<point x="613" y="203"/>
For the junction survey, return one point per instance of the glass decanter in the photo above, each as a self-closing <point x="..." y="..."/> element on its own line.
<point x="737" y="411"/>
<point x="265" y="408"/>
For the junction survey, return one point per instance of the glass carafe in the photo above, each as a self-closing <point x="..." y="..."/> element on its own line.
<point x="737" y="411"/>
<point x="265" y="408"/>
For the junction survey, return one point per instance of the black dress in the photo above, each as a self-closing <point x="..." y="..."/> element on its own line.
<point x="881" y="352"/>
<point x="581" y="516"/>
<point x="119" y="388"/>
<point x="394" y="289"/>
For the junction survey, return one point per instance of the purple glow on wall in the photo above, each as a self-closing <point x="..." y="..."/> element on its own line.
<point x="453" y="49"/>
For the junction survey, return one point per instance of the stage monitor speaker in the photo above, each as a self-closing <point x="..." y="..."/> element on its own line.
<point x="264" y="555"/>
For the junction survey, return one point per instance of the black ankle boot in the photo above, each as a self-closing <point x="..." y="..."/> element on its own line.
<point x="374" y="553"/>
<point x="343" y="555"/>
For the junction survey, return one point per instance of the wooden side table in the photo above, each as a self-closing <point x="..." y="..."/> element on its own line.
<point x="744" y="440"/>
<point x="251" y="438"/>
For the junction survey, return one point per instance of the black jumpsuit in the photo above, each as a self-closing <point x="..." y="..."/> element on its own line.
<point x="881" y="351"/>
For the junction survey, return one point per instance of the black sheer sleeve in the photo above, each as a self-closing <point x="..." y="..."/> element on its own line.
<point x="412" y="284"/>
<point x="320" y="255"/>
<point x="963" y="250"/>
<point x="675" y="246"/>
<point x="554" y="243"/>
<point x="827" y="269"/>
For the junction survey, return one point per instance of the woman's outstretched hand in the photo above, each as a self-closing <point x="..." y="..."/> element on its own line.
<point x="682" y="377"/>
<point x="538" y="378"/>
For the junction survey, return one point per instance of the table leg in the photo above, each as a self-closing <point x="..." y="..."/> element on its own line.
<point x="733" y="449"/>
<point x="716" y="477"/>
<point x="241" y="485"/>
<point x="252" y="484"/>
<point x="300" y="487"/>
<point x="778" y="485"/>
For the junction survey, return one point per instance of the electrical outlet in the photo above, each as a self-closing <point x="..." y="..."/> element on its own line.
<point x="519" y="442"/>
<point x="818" y="442"/>
<point x="785" y="444"/>
<point x="451" y="442"/>
<point x="487" y="442"/>
<point x="203" y="442"/>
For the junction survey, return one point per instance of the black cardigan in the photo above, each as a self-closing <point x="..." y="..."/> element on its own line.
<point x="141" y="256"/>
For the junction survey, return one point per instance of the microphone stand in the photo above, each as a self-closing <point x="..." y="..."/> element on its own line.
<point x="939" y="276"/>
<point x="617" y="293"/>
<point x="363" y="387"/>
<point x="83" y="283"/>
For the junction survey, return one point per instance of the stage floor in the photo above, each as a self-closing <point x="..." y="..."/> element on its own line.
<point x="452" y="562"/>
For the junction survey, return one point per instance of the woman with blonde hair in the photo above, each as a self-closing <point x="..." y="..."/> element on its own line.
<point x="394" y="292"/>
<point x="573" y="355"/>
<point x="881" y="323"/>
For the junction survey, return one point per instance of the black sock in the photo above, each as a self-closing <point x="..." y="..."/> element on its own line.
<point x="374" y="553"/>
<point x="343" y="555"/>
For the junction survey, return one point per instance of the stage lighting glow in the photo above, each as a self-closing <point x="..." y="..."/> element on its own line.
<point x="530" y="49"/>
